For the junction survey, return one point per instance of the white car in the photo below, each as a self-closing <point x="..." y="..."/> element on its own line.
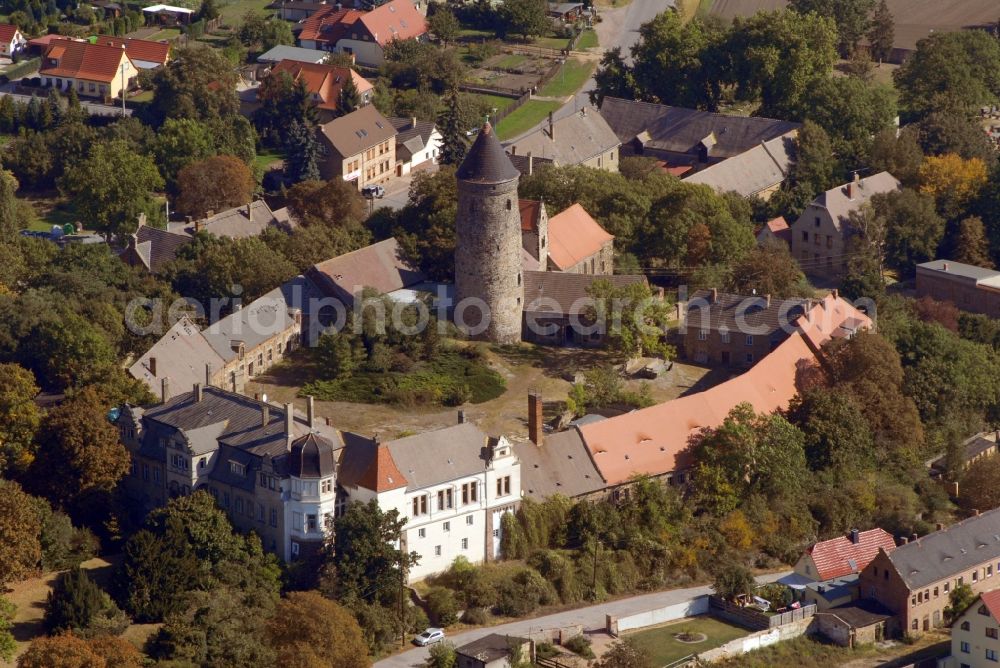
<point x="429" y="637"/>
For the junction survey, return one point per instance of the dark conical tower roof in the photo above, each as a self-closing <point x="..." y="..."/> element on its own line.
<point x="486" y="161"/>
<point x="312" y="456"/>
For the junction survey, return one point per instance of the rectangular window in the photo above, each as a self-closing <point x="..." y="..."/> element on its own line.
<point x="465" y="543"/>
<point x="260" y="513"/>
<point x="237" y="468"/>
<point x="805" y="235"/>
<point x="274" y="517"/>
<point x="447" y="526"/>
<point x="297" y="521"/>
<point x="437" y="550"/>
<point x="445" y="499"/>
<point x="725" y="336"/>
<point x="421" y="533"/>
<point x="327" y="486"/>
<point x="991" y="655"/>
<point x="975" y="576"/>
<point x="964" y="647"/>
<point x="702" y="334"/>
<point x="225" y="499"/>
<point x="503" y="486"/>
<point x="749" y="358"/>
<point x="469" y="519"/>
<point x="311" y="523"/>
<point x="419" y="505"/>
<point x="239" y="504"/>
<point x="145" y="471"/>
<point x="991" y="632"/>
<point x="470" y="492"/>
<point x="263" y="480"/>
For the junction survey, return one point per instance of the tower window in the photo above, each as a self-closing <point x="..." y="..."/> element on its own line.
<point x="508" y="205"/>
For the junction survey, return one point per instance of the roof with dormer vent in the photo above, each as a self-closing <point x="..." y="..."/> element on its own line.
<point x="486" y="161"/>
<point x="312" y="456"/>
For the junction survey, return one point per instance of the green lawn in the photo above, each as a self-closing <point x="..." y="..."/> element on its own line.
<point x="265" y="157"/>
<point x="551" y="42"/>
<point x="588" y="40"/>
<point x="526" y="117"/>
<point x="511" y="61"/>
<point x="498" y="102"/>
<point x="233" y="11"/>
<point x="165" y="34"/>
<point x="473" y="34"/>
<point x="663" y="648"/>
<point x="570" y="78"/>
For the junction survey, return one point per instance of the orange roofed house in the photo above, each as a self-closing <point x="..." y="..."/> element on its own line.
<point x="654" y="441"/>
<point x="358" y="147"/>
<point x="362" y="34"/>
<point x="93" y="70"/>
<point x="11" y="40"/>
<point x="145" y="54"/>
<point x="324" y="83"/>
<point x="843" y="555"/>
<point x="571" y="241"/>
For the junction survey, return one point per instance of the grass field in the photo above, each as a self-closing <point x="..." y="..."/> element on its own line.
<point x="233" y="11"/>
<point x="571" y="77"/>
<point x="588" y="40"/>
<point x="166" y="33"/>
<point x="498" y="102"/>
<point x="551" y="42"/>
<point x="511" y="61"/>
<point x="663" y="648"/>
<point x="265" y="157"/>
<point x="526" y="117"/>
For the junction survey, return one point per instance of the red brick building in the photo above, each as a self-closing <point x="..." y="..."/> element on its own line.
<point x="970" y="288"/>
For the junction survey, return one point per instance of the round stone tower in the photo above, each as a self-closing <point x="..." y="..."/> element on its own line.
<point x="488" y="282"/>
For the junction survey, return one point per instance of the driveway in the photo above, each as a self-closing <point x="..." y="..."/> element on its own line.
<point x="92" y="108"/>
<point x="397" y="191"/>
<point x="592" y="617"/>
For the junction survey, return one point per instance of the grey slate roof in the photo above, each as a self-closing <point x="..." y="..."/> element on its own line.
<point x="438" y="456"/>
<point x="545" y="290"/>
<point x="359" y="130"/>
<point x="181" y="355"/>
<point x="737" y="312"/>
<point x="158" y="247"/>
<point x="296" y="53"/>
<point x="562" y="465"/>
<point x="238" y="421"/>
<point x="861" y="613"/>
<point x="312" y="456"/>
<point x="486" y="161"/>
<point x="249" y="220"/>
<point x="952" y="268"/>
<point x="839" y="203"/>
<point x="381" y="265"/>
<point x="752" y="171"/>
<point x="949" y="552"/>
<point x="680" y="130"/>
<point x="572" y="140"/>
<point x="527" y="165"/>
<point x="253" y="324"/>
<point x="490" y="648"/>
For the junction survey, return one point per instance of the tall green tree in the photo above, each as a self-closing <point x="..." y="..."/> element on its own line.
<point x="522" y="17"/>
<point x="284" y="103"/>
<point x="443" y="24"/>
<point x="19" y="417"/>
<point x="453" y="142"/>
<point x="7" y="643"/>
<point x="950" y="71"/>
<point x="196" y="83"/>
<point x="882" y="32"/>
<point x="350" y="98"/>
<point x="303" y="151"/>
<point x="309" y="628"/>
<point x="850" y="16"/>
<point x="914" y="230"/>
<point x="20" y="550"/>
<point x="613" y="78"/>
<point x="112" y="187"/>
<point x="8" y="206"/>
<point x="971" y="245"/>
<point x="851" y="111"/>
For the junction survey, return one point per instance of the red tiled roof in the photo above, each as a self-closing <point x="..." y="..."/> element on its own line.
<point x="82" y="60"/>
<point x="840" y="556"/>
<point x="7" y="32"/>
<point x="46" y="40"/>
<point x="574" y="236"/>
<point x="991" y="600"/>
<point x="382" y="474"/>
<point x="777" y="224"/>
<point x="139" y="49"/>
<point x="529" y="214"/>
<point x="324" y="81"/>
<point x="398" y="19"/>
<point x="655" y="440"/>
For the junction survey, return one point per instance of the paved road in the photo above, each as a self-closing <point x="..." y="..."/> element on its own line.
<point x="618" y="27"/>
<point x="592" y="617"/>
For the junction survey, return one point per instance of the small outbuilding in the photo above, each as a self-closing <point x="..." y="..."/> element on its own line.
<point x="493" y="651"/>
<point x="860" y="623"/>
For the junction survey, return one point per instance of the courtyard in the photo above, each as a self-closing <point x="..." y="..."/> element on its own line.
<point x="666" y="644"/>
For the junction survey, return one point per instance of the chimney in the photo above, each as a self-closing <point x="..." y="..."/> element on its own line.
<point x="513" y="150"/>
<point x="208" y="375"/>
<point x="413" y="122"/>
<point x="715" y="295"/>
<point x="461" y="416"/>
<point x="944" y="266"/>
<point x="852" y="187"/>
<point x="289" y="421"/>
<point x="914" y="537"/>
<point x="904" y="540"/>
<point x="531" y="165"/>
<point x="209" y="213"/>
<point x="835" y="293"/>
<point x="198" y="395"/>
<point x="187" y="219"/>
<point x="329" y="422"/>
<point x="152" y="365"/>
<point x="975" y="512"/>
<point x="535" y="431"/>
<point x="249" y="209"/>
<point x="311" y="411"/>
<point x="164" y="390"/>
<point x="855" y="536"/>
<point x="197" y="226"/>
<point x="142" y="219"/>
<point x="767" y="299"/>
<point x="552" y="128"/>
<point x="265" y="413"/>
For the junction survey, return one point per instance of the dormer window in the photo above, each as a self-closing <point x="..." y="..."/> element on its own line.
<point x="237" y="468"/>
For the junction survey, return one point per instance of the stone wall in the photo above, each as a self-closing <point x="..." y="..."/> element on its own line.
<point x="488" y="281"/>
<point x="618" y="625"/>
<point x="758" y="640"/>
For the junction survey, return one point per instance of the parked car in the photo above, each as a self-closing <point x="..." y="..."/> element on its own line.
<point x="373" y="191"/>
<point x="429" y="637"/>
